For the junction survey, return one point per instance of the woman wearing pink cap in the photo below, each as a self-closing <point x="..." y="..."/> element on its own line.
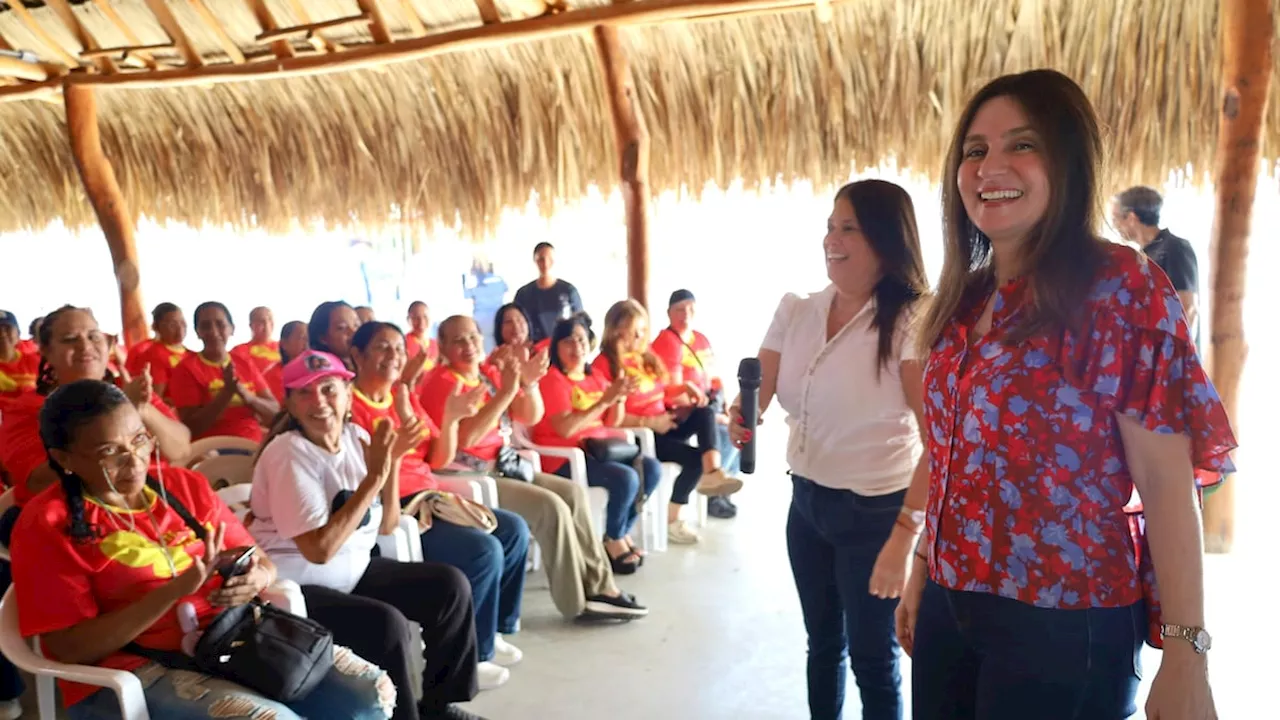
<point x="319" y="489"/>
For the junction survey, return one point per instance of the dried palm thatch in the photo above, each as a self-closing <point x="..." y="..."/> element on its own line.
<point x="457" y="138"/>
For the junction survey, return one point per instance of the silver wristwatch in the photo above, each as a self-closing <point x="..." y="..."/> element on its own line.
<point x="1199" y="638"/>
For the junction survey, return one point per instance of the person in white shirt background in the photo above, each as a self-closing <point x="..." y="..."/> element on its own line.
<point x="842" y="364"/>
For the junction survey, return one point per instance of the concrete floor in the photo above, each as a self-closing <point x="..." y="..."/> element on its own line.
<point x="724" y="640"/>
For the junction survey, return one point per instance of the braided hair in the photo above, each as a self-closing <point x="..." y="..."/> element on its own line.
<point x="46" y="381"/>
<point x="67" y="410"/>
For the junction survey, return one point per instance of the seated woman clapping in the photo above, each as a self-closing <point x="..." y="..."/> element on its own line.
<point x="73" y="348"/>
<point x="218" y="392"/>
<point x="104" y="559"/>
<point x="674" y="413"/>
<point x="580" y="406"/>
<point x="320" y="485"/>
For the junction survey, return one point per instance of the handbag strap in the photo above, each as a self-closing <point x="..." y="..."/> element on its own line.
<point x="179" y="508"/>
<point x="692" y="352"/>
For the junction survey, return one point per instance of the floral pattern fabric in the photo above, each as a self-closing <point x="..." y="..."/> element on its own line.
<point x="1029" y="484"/>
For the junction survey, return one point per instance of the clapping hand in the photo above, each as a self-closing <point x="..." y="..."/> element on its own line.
<point x="463" y="404"/>
<point x="378" y="451"/>
<point x="202" y="566"/>
<point x="533" y="367"/>
<point x="138" y="389"/>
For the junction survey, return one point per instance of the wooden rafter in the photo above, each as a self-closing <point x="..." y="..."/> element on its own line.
<point x="416" y="26"/>
<point x="62" y="8"/>
<point x="179" y="37"/>
<point x="311" y="30"/>
<point x="126" y="51"/>
<point x="24" y="15"/>
<point x="571" y="22"/>
<point x="377" y="22"/>
<point x="282" y="48"/>
<point x="109" y="12"/>
<point x="224" y="40"/>
<point x="317" y="39"/>
<point x="488" y="10"/>
<point x="15" y="69"/>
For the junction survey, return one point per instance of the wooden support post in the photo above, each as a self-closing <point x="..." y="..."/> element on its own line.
<point x="108" y="203"/>
<point x="633" y="156"/>
<point x="1245" y="36"/>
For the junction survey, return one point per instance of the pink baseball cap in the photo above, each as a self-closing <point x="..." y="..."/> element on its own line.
<point x="311" y="366"/>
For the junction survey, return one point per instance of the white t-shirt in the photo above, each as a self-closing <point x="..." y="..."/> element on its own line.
<point x="851" y="427"/>
<point x="294" y="484"/>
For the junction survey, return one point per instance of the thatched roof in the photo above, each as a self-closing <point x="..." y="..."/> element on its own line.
<point x="461" y="136"/>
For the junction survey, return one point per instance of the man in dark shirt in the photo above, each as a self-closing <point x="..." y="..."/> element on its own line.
<point x="547" y="300"/>
<point x="1136" y="215"/>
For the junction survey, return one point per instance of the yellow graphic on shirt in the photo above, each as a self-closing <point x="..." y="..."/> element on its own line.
<point x="215" y="387"/>
<point x="131" y="549"/>
<point x="264" y="352"/>
<point x="633" y="365"/>
<point x="176" y="353"/>
<point x="7" y="384"/>
<point x="583" y="400"/>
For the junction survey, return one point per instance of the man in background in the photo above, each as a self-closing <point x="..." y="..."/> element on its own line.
<point x="1136" y="215"/>
<point x="547" y="300"/>
<point x="365" y="314"/>
<point x="687" y="355"/>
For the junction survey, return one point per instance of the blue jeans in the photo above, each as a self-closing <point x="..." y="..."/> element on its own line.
<point x="494" y="563"/>
<point x="979" y="655"/>
<point x="833" y="538"/>
<point x="729" y="456"/>
<point x="623" y="485"/>
<point x="353" y="690"/>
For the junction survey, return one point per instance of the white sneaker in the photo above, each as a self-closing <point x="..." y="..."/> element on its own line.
<point x="491" y="675"/>
<point x="681" y="534"/>
<point x="504" y="653"/>
<point x="717" y="483"/>
<point x="10" y="710"/>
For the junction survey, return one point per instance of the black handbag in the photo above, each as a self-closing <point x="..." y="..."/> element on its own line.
<point x="511" y="464"/>
<point x="270" y="651"/>
<point x="611" y="450"/>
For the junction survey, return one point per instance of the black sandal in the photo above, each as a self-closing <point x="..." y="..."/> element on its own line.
<point x="625" y="564"/>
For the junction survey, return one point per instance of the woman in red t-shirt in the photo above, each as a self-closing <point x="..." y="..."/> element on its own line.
<point x="579" y="405"/>
<point x="674" y="413"/>
<point x="218" y="392"/>
<point x="73" y="348"/>
<point x="331" y="327"/>
<point x="422" y="350"/>
<point x="18" y="368"/>
<point x="163" y="353"/>
<point x="105" y="559"/>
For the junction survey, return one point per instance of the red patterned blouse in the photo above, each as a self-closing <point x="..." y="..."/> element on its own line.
<point x="1028" y="481"/>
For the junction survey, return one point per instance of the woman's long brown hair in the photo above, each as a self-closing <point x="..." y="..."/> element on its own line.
<point x="618" y="317"/>
<point x="1063" y="253"/>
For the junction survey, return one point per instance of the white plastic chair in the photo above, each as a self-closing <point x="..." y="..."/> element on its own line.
<point x="133" y="705"/>
<point x="220" y="444"/>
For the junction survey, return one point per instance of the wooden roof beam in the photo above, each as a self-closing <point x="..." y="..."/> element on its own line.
<point x="224" y="40"/>
<point x="311" y="30"/>
<point x="316" y="39"/>
<point x="377" y="23"/>
<point x="282" y="48"/>
<point x="109" y="12"/>
<point x="570" y="22"/>
<point x="62" y="8"/>
<point x="13" y="68"/>
<point x="24" y="15"/>
<point x="179" y="37"/>
<point x="122" y="54"/>
<point x="488" y="10"/>
<point x="416" y="27"/>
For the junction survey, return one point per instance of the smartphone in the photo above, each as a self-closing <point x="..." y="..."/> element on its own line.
<point x="234" y="562"/>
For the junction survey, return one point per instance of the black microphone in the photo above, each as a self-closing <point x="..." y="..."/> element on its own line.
<point x="749" y="405"/>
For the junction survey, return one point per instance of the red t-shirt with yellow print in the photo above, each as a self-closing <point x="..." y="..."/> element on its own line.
<point x="414" y="345"/>
<point x="18" y="374"/>
<point x="60" y="582"/>
<point x="563" y="393"/>
<point x="196" y="381"/>
<point x="266" y="357"/>
<point x="688" y="360"/>
<point x="415" y="473"/>
<point x="161" y="358"/>
<point x="648" y="399"/>
<point x="435" y="392"/>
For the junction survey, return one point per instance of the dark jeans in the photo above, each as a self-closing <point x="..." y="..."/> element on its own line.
<point x="11" y="685"/>
<point x="623" y="484"/>
<point x="373" y="620"/>
<point x="495" y="565"/>
<point x="833" y="538"/>
<point x="674" y="447"/>
<point x="980" y="656"/>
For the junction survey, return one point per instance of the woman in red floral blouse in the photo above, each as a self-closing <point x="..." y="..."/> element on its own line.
<point x="1061" y="377"/>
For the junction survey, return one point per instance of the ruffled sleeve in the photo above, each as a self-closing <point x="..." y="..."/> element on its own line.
<point x="1135" y="353"/>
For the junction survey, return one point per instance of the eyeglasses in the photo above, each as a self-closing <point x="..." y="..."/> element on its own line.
<point x="118" y="458"/>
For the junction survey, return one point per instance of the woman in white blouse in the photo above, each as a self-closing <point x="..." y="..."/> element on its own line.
<point x="843" y="366"/>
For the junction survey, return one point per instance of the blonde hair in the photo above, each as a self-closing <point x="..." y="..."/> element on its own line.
<point x="621" y="315"/>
